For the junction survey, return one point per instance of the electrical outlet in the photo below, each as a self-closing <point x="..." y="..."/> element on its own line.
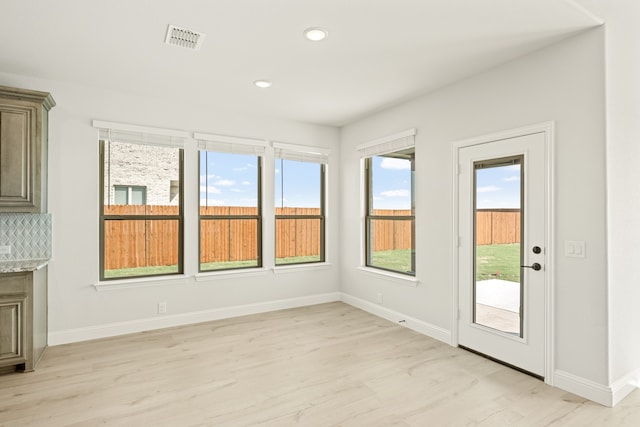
<point x="5" y="250"/>
<point x="162" y="307"/>
<point x="380" y="298"/>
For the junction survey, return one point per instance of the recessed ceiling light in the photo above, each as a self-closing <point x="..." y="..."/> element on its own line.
<point x="316" y="34"/>
<point x="263" y="83"/>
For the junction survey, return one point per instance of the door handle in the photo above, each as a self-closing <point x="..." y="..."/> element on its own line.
<point x="535" y="266"/>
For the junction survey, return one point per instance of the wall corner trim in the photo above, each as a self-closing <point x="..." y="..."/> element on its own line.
<point x="181" y="319"/>
<point x="583" y="387"/>
<point x="624" y="386"/>
<point x="412" y="323"/>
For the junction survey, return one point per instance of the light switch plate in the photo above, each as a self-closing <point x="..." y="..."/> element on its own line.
<point x="5" y="250"/>
<point x="575" y="248"/>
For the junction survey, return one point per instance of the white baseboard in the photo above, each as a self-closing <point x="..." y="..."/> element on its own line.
<point x="168" y="321"/>
<point x="624" y="386"/>
<point x="417" y="325"/>
<point x="582" y="387"/>
<point x="605" y="395"/>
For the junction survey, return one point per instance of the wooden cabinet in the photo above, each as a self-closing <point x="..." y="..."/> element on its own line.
<point x="23" y="319"/>
<point x="23" y="149"/>
<point x="12" y="320"/>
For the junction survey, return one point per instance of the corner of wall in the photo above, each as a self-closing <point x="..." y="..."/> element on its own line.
<point x="412" y="323"/>
<point x="605" y="395"/>
<point x="624" y="386"/>
<point x="583" y="387"/>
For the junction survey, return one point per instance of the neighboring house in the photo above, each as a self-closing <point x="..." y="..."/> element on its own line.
<point x="129" y="181"/>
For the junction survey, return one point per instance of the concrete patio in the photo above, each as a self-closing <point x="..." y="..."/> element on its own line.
<point x="498" y="305"/>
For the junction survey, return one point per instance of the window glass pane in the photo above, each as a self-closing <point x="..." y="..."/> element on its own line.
<point x="391" y="184"/>
<point x="144" y="170"/>
<point x="297" y="184"/>
<point x="229" y="191"/>
<point x="136" y="182"/>
<point x="228" y="179"/>
<point x="390" y="212"/>
<point x="298" y="240"/>
<point x="228" y="243"/>
<point x="298" y="195"/>
<point x="391" y="244"/>
<point x="138" y="196"/>
<point x="140" y="247"/>
<point x="120" y="195"/>
<point x="498" y="245"/>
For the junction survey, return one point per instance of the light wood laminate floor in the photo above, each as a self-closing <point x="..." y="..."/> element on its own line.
<point x="325" y="365"/>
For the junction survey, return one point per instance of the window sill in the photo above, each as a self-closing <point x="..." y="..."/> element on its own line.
<point x="394" y="277"/>
<point x="141" y="282"/>
<point x="212" y="275"/>
<point x="298" y="267"/>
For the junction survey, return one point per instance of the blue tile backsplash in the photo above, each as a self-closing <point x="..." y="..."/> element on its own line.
<point x="29" y="236"/>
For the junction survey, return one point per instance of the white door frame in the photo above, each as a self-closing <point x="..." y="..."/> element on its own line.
<point x="549" y="129"/>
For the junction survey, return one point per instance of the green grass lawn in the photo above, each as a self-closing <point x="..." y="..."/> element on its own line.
<point x="228" y="265"/>
<point x="207" y="266"/>
<point x="140" y="271"/>
<point x="396" y="260"/>
<point x="493" y="262"/>
<point x="498" y="262"/>
<point x="297" y="259"/>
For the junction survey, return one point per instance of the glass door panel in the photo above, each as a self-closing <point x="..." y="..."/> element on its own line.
<point x="498" y="220"/>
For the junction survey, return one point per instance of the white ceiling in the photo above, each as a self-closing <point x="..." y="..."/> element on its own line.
<point x="378" y="53"/>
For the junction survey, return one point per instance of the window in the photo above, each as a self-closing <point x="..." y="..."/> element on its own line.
<point x="142" y="205"/>
<point x="230" y="203"/>
<point x="300" y="180"/>
<point x="141" y="225"/>
<point x="389" y="166"/>
<point x="300" y="215"/>
<point x="129" y="195"/>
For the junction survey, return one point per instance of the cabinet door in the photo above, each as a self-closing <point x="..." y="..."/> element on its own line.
<point x="11" y="331"/>
<point x="19" y="158"/>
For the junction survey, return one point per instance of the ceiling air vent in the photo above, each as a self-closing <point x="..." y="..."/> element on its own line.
<point x="182" y="37"/>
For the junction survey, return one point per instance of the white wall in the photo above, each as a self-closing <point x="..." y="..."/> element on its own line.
<point x="563" y="83"/>
<point x="623" y="154"/>
<point x="74" y="303"/>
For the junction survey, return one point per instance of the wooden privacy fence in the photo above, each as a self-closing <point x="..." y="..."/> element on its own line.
<point x="493" y="227"/>
<point x="140" y="243"/>
<point x="237" y="239"/>
<point x="497" y="226"/>
<point x="228" y="240"/>
<point x="391" y="234"/>
<point x="297" y="237"/>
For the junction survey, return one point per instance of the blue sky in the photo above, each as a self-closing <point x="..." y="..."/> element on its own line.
<point x="231" y="180"/>
<point x="391" y="183"/>
<point x="300" y="183"/>
<point x="498" y="187"/>
<point x="228" y="179"/>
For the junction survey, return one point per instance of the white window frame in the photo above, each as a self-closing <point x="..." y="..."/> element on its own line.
<point x="307" y="154"/>
<point x="243" y="146"/>
<point x="142" y="135"/>
<point x="380" y="146"/>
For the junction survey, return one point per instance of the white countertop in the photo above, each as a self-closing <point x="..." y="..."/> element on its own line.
<point x="22" y="266"/>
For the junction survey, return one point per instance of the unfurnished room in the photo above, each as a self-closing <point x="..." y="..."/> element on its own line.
<point x="319" y="213"/>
